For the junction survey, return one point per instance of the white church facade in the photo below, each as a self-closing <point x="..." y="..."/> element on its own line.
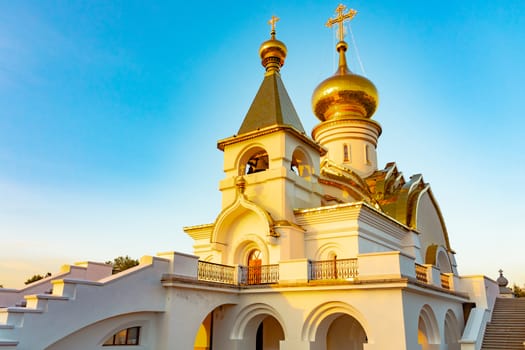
<point x="315" y="248"/>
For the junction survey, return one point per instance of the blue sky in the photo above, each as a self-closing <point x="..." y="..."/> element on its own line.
<point x="110" y="112"/>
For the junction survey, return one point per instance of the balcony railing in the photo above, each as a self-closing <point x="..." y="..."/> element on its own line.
<point x="343" y="269"/>
<point x="421" y="273"/>
<point x="324" y="270"/>
<point x="262" y="274"/>
<point x="216" y="272"/>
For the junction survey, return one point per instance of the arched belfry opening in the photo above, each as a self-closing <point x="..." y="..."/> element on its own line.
<point x="254" y="161"/>
<point x="301" y="164"/>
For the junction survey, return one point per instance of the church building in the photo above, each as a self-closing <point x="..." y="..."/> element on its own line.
<point x="316" y="247"/>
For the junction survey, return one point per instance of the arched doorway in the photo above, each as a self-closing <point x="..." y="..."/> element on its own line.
<point x="254" y="266"/>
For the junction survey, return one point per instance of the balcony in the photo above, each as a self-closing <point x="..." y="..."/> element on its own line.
<point x="378" y="267"/>
<point x="343" y="269"/>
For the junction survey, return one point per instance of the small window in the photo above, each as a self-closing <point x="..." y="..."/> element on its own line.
<point x="346" y="153"/>
<point x="129" y="336"/>
<point x="367" y="155"/>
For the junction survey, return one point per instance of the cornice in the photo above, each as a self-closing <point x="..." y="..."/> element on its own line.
<point x="221" y="144"/>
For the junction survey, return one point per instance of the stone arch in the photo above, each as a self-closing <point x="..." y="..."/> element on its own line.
<point x="428" y="329"/>
<point x="253" y="159"/>
<point x="203" y="332"/>
<point x="443" y="261"/>
<point x="252" y="315"/>
<point x="328" y="250"/>
<point x="302" y="164"/>
<point x="228" y="221"/>
<point x="128" y="324"/>
<point x="320" y="318"/>
<point x="438" y="256"/>
<point x="452" y="331"/>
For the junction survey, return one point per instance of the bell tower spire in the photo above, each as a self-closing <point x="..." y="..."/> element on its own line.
<point x="271" y="149"/>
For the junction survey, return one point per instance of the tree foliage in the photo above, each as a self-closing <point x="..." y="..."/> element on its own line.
<point x="518" y="291"/>
<point x="122" y="263"/>
<point x="36" y="278"/>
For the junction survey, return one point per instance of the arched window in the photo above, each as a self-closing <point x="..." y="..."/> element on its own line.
<point x="128" y="336"/>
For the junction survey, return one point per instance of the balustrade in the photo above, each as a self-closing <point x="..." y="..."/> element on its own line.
<point x="261" y="274"/>
<point x="216" y="272"/>
<point x="421" y="273"/>
<point x="343" y="269"/>
<point x="445" y="281"/>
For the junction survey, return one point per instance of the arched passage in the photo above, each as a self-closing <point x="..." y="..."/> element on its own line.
<point x="259" y="327"/>
<point x="345" y="332"/>
<point x="427" y="328"/>
<point x="335" y="325"/>
<point x="204" y="334"/>
<point x="452" y="331"/>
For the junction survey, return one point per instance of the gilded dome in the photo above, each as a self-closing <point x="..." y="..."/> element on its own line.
<point x="344" y="94"/>
<point x="272" y="52"/>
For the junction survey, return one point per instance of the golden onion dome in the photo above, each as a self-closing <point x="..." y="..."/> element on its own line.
<point x="345" y="94"/>
<point x="273" y="51"/>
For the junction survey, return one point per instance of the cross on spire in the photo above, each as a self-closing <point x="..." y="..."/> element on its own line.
<point x="340" y="19"/>
<point x="272" y="22"/>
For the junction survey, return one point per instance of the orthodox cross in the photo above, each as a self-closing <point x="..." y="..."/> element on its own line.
<point x="340" y="19"/>
<point x="272" y="22"/>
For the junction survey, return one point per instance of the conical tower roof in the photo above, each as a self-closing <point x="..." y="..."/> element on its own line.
<point x="272" y="105"/>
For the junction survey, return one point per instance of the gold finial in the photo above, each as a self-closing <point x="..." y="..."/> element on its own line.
<point x="272" y="22"/>
<point x="340" y="19"/>
<point x="273" y="51"/>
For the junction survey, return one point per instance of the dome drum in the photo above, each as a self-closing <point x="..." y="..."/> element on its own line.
<point x="347" y="129"/>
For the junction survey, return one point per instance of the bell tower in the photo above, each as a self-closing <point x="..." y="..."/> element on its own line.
<point x="278" y="163"/>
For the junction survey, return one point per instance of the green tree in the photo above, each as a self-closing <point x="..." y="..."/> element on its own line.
<point x="36" y="278"/>
<point x="122" y="263"/>
<point x="518" y="292"/>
